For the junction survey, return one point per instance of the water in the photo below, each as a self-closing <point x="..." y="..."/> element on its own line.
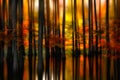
<point x="71" y="68"/>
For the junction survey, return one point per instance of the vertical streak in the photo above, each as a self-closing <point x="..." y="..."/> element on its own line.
<point x="9" y="47"/>
<point x="63" y="30"/>
<point x="47" y="28"/>
<point x="95" y="13"/>
<point x="40" y="39"/>
<point x="30" y="52"/>
<point x="84" y="41"/>
<point x="107" y="38"/>
<point x="83" y="17"/>
<point x="2" y="25"/>
<point x="96" y="36"/>
<point x="14" y="40"/>
<point x="73" y="41"/>
<point x="100" y="50"/>
<point x="90" y="41"/>
<point x="21" y="48"/>
<point x="34" y="39"/>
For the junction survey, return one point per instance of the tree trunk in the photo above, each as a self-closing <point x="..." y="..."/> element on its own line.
<point x="40" y="39"/>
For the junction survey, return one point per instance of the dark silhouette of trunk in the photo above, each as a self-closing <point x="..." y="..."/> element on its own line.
<point x="63" y="69"/>
<point x="30" y="53"/>
<point x="58" y="48"/>
<point x="117" y="36"/>
<point x="73" y="36"/>
<point x="90" y="40"/>
<point x="40" y="39"/>
<point x="77" y="68"/>
<point x="63" y="31"/>
<point x="34" y="40"/>
<point x="83" y="17"/>
<point x="91" y="68"/>
<point x="107" y="39"/>
<point x="21" y="52"/>
<point x="14" y="39"/>
<point x="2" y="27"/>
<point x="90" y="27"/>
<point x="47" y="73"/>
<point x="2" y="60"/>
<point x="47" y="36"/>
<point x="9" y="47"/>
<point x="96" y="26"/>
<point x="100" y="37"/>
<point x="100" y="28"/>
<point x="77" y="52"/>
<point x="96" y="36"/>
<point x="53" y="30"/>
<point x="75" y="29"/>
<point x="84" y="41"/>
<point x="56" y="28"/>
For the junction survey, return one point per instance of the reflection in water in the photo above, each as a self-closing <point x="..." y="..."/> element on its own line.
<point x="71" y="68"/>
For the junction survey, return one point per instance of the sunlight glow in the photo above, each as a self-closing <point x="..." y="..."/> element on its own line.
<point x="36" y="4"/>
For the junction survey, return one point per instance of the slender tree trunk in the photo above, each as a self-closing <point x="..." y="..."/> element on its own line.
<point x="63" y="31"/>
<point x="90" y="41"/>
<point x="2" y="26"/>
<point x="9" y="47"/>
<point x="117" y="36"/>
<point x="73" y="32"/>
<point x="84" y="40"/>
<point x="30" y="38"/>
<point x="100" y="37"/>
<point x="107" y="38"/>
<point x="21" y="52"/>
<point x="40" y="39"/>
<point x="58" y="48"/>
<point x="14" y="40"/>
<point x="34" y="39"/>
<point x="96" y="36"/>
<point x="96" y="25"/>
<point x="90" y="33"/>
<point x="83" y="17"/>
<point x="47" y="29"/>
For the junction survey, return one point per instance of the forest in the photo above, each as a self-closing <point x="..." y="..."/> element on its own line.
<point x="59" y="40"/>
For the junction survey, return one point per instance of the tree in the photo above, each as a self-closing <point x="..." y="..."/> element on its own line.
<point x="40" y="38"/>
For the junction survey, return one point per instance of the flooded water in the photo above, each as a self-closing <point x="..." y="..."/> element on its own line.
<point x="71" y="68"/>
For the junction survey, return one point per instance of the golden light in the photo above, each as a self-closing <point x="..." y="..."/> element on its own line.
<point x="36" y="5"/>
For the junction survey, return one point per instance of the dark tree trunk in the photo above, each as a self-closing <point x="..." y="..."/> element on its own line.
<point x="40" y="39"/>
<point x="9" y="47"/>
<point x="2" y="26"/>
<point x="30" y="53"/>
<point x="107" y="39"/>
<point x="100" y="37"/>
<point x="96" y="36"/>
<point x="21" y="52"/>
<point x="84" y="40"/>
<point x="47" y="37"/>
<point x="90" y="27"/>
<point x="63" y="31"/>
<point x="73" y="32"/>
<point x="14" y="40"/>
<point x="77" y="52"/>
